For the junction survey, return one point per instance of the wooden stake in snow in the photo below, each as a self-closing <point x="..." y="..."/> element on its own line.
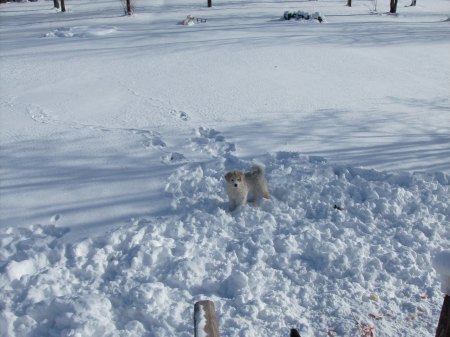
<point x="442" y="265"/>
<point x="443" y="329"/>
<point x="205" y="323"/>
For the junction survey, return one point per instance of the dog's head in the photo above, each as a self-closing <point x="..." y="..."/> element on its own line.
<point x="235" y="178"/>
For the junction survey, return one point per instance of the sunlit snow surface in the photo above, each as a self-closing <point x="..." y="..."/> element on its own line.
<point x="116" y="133"/>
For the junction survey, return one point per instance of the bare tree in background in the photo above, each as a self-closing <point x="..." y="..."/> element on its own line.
<point x="128" y="7"/>
<point x="349" y="3"/>
<point x="394" y="6"/>
<point x="56" y="4"/>
<point x="63" y="6"/>
<point x="413" y="2"/>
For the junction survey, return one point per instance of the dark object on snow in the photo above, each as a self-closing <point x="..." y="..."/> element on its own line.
<point x="300" y="15"/>
<point x="443" y="329"/>
<point x="208" y="322"/>
<point x="339" y="208"/>
<point x="294" y="333"/>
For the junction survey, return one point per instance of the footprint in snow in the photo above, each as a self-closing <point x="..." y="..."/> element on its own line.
<point x="211" y="141"/>
<point x="55" y="218"/>
<point x="173" y="158"/>
<point x="180" y="114"/>
<point x="150" y="139"/>
<point x="38" y="114"/>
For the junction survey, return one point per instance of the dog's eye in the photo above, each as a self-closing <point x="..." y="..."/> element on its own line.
<point x="239" y="179"/>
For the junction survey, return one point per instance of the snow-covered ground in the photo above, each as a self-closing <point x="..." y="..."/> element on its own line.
<point x="116" y="132"/>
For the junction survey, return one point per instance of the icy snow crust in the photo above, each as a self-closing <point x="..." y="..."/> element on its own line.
<point x="293" y="261"/>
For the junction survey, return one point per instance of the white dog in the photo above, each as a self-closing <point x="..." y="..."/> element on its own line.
<point x="242" y="186"/>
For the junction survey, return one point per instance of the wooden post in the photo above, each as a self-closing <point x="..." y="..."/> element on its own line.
<point x="205" y="319"/>
<point x="443" y="329"/>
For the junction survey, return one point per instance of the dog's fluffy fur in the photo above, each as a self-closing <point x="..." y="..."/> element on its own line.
<point x="249" y="186"/>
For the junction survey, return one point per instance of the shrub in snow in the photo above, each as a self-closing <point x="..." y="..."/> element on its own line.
<point x="442" y="265"/>
<point x="301" y="15"/>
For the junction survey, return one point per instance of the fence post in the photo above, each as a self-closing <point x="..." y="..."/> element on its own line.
<point x="205" y="321"/>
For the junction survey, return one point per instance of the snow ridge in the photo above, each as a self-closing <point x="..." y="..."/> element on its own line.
<point x="331" y="240"/>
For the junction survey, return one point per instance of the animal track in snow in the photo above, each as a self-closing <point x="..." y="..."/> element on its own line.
<point x="38" y="114"/>
<point x="55" y="218"/>
<point x="150" y="139"/>
<point x="180" y="114"/>
<point x="212" y="142"/>
<point x="173" y="158"/>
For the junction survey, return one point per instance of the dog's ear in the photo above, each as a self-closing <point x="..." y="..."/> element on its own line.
<point x="228" y="176"/>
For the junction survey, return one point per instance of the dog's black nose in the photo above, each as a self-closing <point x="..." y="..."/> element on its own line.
<point x="235" y="185"/>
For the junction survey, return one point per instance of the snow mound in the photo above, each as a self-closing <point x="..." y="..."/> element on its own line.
<point x="331" y="239"/>
<point x="442" y="265"/>
<point x="81" y="32"/>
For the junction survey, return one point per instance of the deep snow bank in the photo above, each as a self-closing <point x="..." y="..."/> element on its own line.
<point x="293" y="261"/>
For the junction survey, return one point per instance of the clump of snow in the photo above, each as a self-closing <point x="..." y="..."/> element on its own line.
<point x="15" y="270"/>
<point x="442" y="265"/>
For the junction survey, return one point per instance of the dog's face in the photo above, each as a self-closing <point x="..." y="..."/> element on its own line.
<point x="235" y="178"/>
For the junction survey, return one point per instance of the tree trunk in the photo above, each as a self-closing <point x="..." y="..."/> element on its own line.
<point x="129" y="7"/>
<point x="209" y="3"/>
<point x="349" y="3"/>
<point x="413" y="2"/>
<point x="63" y="6"/>
<point x="394" y="6"/>
<point x="443" y="329"/>
<point x="56" y="4"/>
